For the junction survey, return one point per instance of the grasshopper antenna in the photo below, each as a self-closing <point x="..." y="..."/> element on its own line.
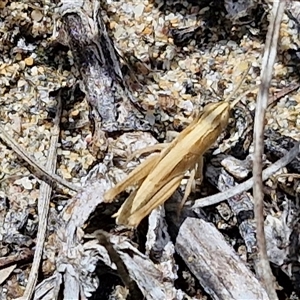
<point x="236" y="89"/>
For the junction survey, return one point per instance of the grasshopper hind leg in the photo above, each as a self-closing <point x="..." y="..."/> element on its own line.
<point x="196" y="173"/>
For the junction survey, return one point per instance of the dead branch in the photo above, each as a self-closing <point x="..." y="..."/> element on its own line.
<point x="228" y="278"/>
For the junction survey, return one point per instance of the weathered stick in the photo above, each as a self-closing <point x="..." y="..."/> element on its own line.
<point x="215" y="264"/>
<point x="264" y="270"/>
<point x="43" y="206"/>
<point x="38" y="170"/>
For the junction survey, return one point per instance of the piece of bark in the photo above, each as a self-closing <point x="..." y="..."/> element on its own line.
<point x="76" y="261"/>
<point x="215" y="264"/>
<point x="98" y="63"/>
<point x="240" y="204"/>
<point x="134" y="292"/>
<point x="49" y="288"/>
<point x="151" y="280"/>
<point x="159" y="247"/>
<point x="6" y="272"/>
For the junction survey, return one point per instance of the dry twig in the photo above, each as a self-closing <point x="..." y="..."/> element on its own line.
<point x="247" y="185"/>
<point x="269" y="57"/>
<point x="43" y="205"/>
<point x="40" y="170"/>
<point x="24" y="254"/>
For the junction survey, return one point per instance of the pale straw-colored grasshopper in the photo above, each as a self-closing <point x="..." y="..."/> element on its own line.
<point x="157" y="178"/>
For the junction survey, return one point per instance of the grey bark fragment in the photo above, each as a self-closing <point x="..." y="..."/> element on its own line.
<point x="215" y="264"/>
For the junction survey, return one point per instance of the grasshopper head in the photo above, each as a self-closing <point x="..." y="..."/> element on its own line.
<point x="224" y="113"/>
<point x="219" y="112"/>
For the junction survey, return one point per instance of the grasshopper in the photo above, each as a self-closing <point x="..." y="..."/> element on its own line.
<point x="157" y="178"/>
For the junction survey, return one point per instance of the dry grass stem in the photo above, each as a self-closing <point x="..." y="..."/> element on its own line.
<point x="40" y="171"/>
<point x="268" y="61"/>
<point x="43" y="206"/>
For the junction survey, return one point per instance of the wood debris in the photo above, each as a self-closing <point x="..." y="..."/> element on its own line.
<point x="199" y="257"/>
<point x="131" y="74"/>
